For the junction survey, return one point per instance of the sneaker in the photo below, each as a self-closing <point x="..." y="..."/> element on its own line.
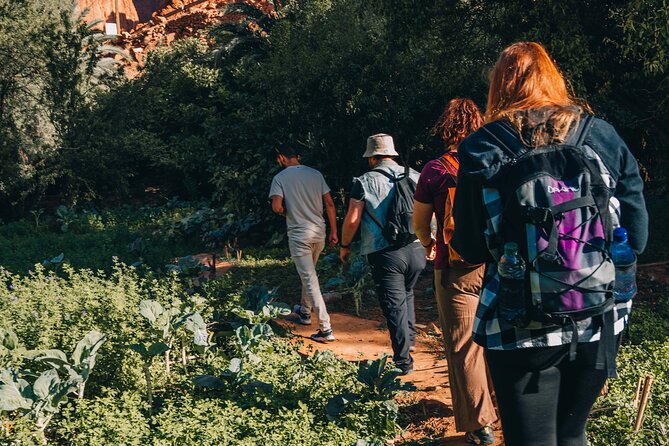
<point x="406" y="371"/>
<point x="485" y="435"/>
<point x="302" y="317"/>
<point x="322" y="336"/>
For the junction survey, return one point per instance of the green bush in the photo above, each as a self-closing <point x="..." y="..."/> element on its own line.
<point x="613" y="426"/>
<point x="113" y="418"/>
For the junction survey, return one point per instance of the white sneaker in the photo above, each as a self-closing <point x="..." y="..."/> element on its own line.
<point x="323" y="336"/>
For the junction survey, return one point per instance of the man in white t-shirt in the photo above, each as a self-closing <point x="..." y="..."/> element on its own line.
<point x="298" y="193"/>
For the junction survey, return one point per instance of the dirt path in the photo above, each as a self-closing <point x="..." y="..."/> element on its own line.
<point x="222" y="266"/>
<point x="428" y="412"/>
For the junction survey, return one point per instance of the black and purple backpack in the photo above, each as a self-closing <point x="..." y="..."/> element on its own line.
<point x="556" y="202"/>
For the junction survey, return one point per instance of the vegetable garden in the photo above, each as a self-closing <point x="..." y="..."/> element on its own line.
<point x="156" y="353"/>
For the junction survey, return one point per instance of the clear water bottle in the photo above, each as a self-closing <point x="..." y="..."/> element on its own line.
<point x="624" y="260"/>
<point x="511" y="296"/>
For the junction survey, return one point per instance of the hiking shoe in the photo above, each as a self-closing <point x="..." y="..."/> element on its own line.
<point x="485" y="435"/>
<point x="322" y="336"/>
<point x="303" y="317"/>
<point x="406" y="371"/>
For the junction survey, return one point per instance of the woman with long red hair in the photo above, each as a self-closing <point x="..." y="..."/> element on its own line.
<point x="456" y="283"/>
<point x="547" y="366"/>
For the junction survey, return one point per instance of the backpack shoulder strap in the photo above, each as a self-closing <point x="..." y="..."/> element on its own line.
<point x="386" y="174"/>
<point x="494" y="129"/>
<point x="583" y="131"/>
<point x="451" y="164"/>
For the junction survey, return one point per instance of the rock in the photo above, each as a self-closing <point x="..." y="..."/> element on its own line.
<point x="332" y="296"/>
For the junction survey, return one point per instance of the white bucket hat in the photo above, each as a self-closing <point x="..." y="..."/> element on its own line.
<point x="380" y="145"/>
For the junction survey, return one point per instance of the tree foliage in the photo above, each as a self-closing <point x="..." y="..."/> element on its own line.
<point x="202" y="119"/>
<point x="51" y="63"/>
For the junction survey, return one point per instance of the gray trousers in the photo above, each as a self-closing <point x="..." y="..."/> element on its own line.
<point x="305" y="256"/>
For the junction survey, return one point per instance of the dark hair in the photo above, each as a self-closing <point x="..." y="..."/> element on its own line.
<point x="287" y="150"/>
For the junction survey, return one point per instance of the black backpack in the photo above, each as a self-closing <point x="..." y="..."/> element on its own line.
<point x="555" y="202"/>
<point x="398" y="229"/>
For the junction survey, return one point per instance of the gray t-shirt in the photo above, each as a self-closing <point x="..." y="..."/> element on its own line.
<point x="302" y="189"/>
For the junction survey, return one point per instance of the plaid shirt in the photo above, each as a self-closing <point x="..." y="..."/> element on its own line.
<point x="495" y="333"/>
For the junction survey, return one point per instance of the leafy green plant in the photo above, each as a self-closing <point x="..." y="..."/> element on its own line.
<point x="166" y="322"/>
<point x="11" y="351"/>
<point x="250" y="340"/>
<point x="381" y="385"/>
<point x="42" y="398"/>
<point x="259" y="305"/>
<point x="82" y="361"/>
<point x="352" y="278"/>
<point x="139" y="247"/>
<point x="612" y="420"/>
<point x="55" y="263"/>
<point x="148" y="352"/>
<point x="65" y="217"/>
<point x="190" y="268"/>
<point x="37" y="214"/>
<point x="233" y="375"/>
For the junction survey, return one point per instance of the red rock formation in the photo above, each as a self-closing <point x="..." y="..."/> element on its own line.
<point x="131" y="12"/>
<point x="147" y="24"/>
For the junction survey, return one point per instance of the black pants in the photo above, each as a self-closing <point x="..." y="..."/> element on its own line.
<point x="544" y="399"/>
<point x="395" y="272"/>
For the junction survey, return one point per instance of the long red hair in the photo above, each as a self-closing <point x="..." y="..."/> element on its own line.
<point x="524" y="78"/>
<point x="460" y="118"/>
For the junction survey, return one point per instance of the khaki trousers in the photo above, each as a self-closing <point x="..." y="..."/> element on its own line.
<point x="471" y="386"/>
<point x="305" y="256"/>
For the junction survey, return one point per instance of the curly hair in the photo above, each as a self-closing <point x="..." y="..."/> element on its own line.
<point x="460" y="118"/>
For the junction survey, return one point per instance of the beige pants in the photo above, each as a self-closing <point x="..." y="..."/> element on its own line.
<point x="305" y="256"/>
<point x="470" y="382"/>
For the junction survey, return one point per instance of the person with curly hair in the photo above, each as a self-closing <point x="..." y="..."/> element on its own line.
<point x="456" y="283"/>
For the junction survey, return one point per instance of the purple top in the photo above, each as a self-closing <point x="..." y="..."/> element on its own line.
<point x="432" y="188"/>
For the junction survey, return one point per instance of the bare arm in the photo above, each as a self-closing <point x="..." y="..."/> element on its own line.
<point x="422" y="217"/>
<point x="277" y="205"/>
<point x="350" y="226"/>
<point x="332" y="218"/>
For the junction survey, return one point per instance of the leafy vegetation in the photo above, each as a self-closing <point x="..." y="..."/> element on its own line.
<point x="180" y="360"/>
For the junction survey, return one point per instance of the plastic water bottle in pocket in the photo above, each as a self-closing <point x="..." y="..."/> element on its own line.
<point x="624" y="260"/>
<point x="511" y="296"/>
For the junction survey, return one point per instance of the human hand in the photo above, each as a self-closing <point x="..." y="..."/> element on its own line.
<point x="344" y="254"/>
<point x="333" y="239"/>
<point x="431" y="250"/>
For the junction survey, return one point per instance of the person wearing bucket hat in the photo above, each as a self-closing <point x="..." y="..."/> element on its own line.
<point x="395" y="268"/>
<point x="380" y="145"/>
<point x="298" y="193"/>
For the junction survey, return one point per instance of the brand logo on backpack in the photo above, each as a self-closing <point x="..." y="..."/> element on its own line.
<point x="558" y="189"/>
